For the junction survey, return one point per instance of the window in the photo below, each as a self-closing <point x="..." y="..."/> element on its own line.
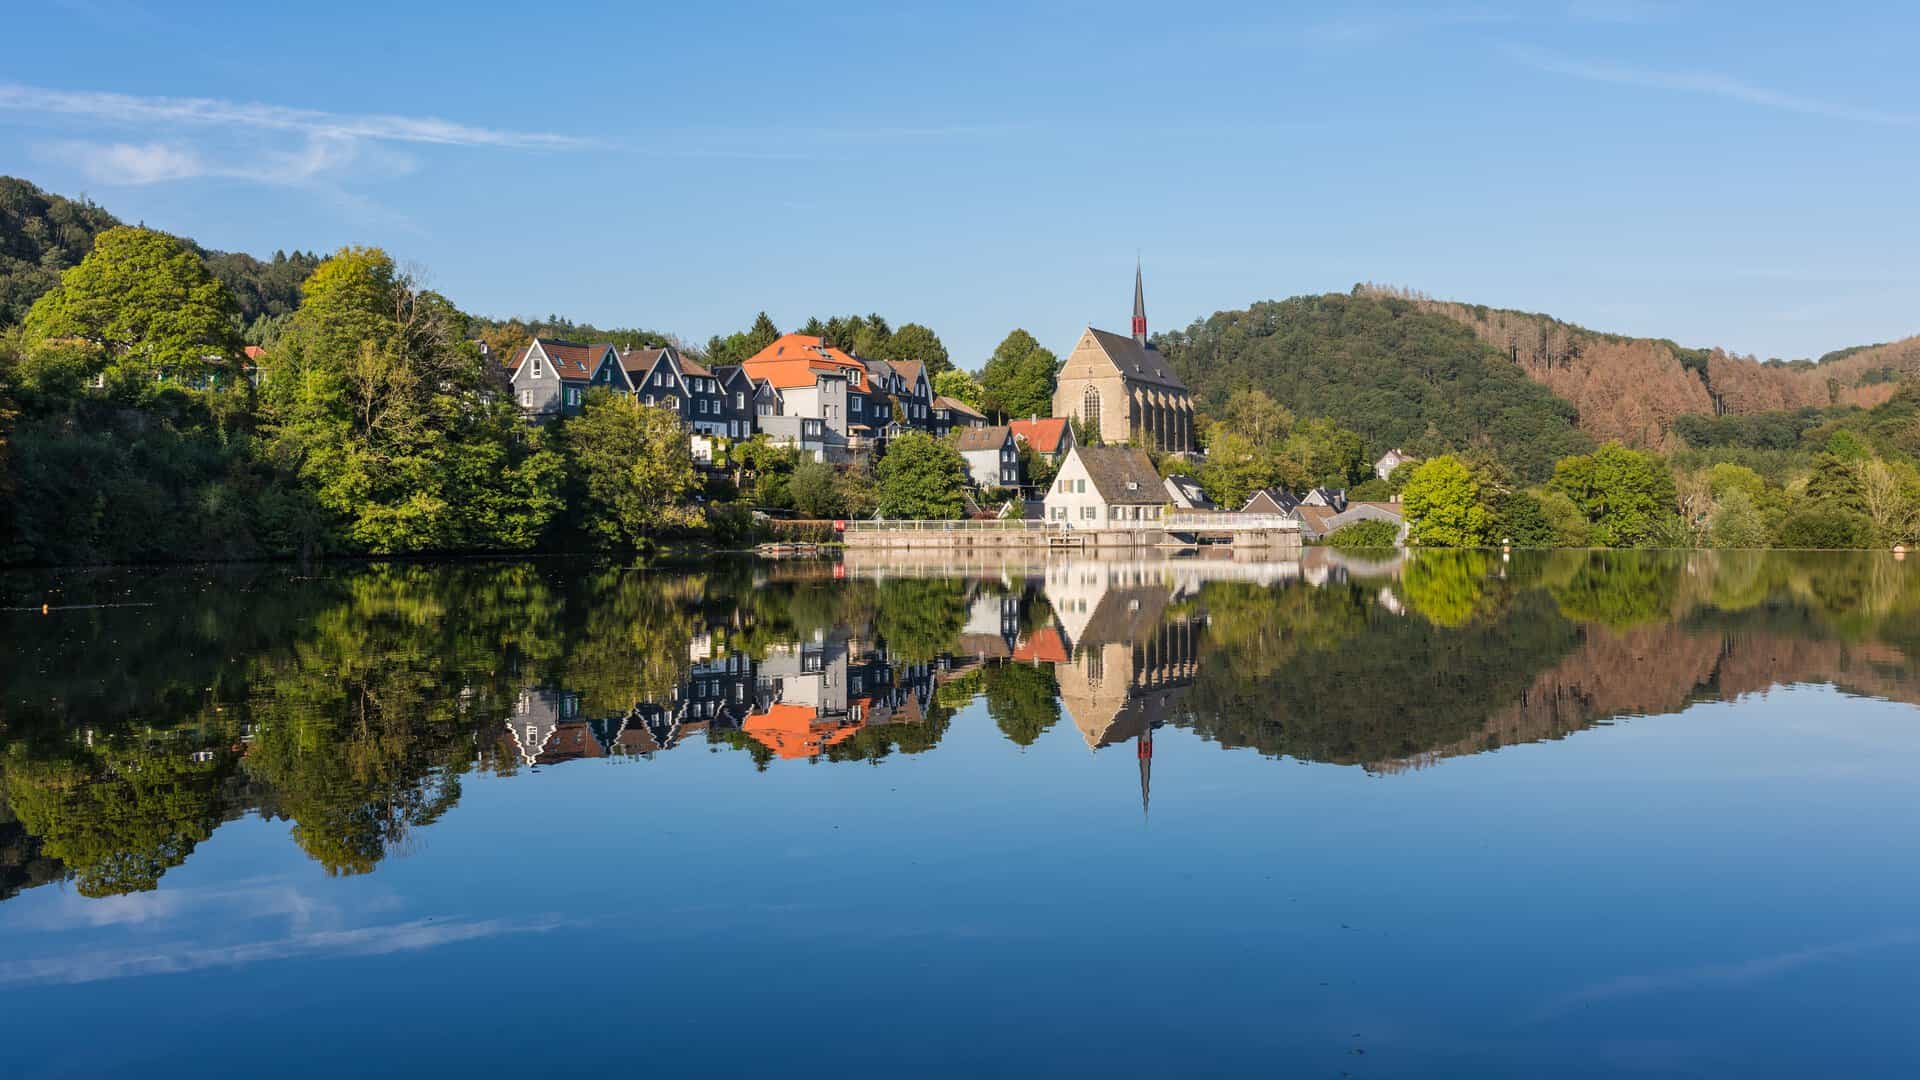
<point x="853" y="405"/>
<point x="739" y="400"/>
<point x="671" y="402"/>
<point x="573" y="395"/>
<point x="536" y="367"/>
<point x="1059" y="513"/>
<point x="1090" y="408"/>
<point x="526" y="398"/>
<point x="1090" y="513"/>
<point x="703" y="406"/>
<point x="649" y="399"/>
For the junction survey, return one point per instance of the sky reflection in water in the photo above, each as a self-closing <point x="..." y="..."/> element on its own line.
<point x="1578" y="813"/>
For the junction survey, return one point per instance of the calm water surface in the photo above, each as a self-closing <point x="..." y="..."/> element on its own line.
<point x="1569" y="814"/>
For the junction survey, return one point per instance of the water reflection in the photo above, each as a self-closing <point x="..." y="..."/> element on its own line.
<point x="143" y="711"/>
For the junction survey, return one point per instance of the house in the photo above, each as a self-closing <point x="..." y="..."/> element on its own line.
<point x="1187" y="494"/>
<point x="950" y="413"/>
<point x="1327" y="497"/>
<point x="1320" y="522"/>
<point x="1122" y="387"/>
<point x="1107" y="487"/>
<point x="993" y="461"/>
<point x="815" y="381"/>
<point x="1390" y="461"/>
<point x="901" y="393"/>
<point x="551" y="377"/>
<point x="1051" y="438"/>
<point x="1272" y="500"/>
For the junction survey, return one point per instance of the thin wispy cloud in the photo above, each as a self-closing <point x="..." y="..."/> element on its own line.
<point x="133" y="110"/>
<point x="1737" y="973"/>
<point x="1705" y="84"/>
<point x="181" y="957"/>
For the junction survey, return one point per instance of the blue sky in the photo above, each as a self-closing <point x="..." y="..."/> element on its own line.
<point x="1699" y="171"/>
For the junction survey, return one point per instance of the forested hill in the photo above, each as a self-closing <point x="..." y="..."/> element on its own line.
<point x="1635" y="389"/>
<point x="42" y="234"/>
<point x="1381" y="366"/>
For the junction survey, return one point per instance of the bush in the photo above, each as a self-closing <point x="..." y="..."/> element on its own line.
<point x="1365" y="534"/>
<point x="1825" y="526"/>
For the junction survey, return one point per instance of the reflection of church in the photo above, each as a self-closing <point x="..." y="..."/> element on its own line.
<point x="1127" y="654"/>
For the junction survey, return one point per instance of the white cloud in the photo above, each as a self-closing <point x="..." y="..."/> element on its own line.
<point x="130" y="109"/>
<point x="1703" y="83"/>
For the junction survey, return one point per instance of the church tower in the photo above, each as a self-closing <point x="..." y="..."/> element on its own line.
<point x="1139" y="307"/>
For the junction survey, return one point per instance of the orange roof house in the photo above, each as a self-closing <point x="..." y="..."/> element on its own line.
<point x="799" y="359"/>
<point x="1043" y="646"/>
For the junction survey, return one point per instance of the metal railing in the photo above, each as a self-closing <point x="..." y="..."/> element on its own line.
<point x="1230" y="522"/>
<point x="958" y="525"/>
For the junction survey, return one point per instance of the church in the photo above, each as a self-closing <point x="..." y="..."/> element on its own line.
<point x="1122" y="388"/>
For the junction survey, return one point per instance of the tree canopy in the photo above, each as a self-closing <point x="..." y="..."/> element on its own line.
<point x="1018" y="378"/>
<point x="920" y="477"/>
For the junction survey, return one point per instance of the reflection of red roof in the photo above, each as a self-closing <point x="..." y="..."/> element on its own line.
<point x="796" y="731"/>
<point x="255" y="352"/>
<point x="1044" y="435"/>
<point x="1043" y="645"/>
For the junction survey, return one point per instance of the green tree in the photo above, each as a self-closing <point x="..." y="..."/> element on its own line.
<point x="1254" y="414"/>
<point x="915" y="342"/>
<point x="920" y="477"/>
<point x="1523" y="522"/>
<point x="960" y="386"/>
<point x="395" y="423"/>
<point x="1737" y="522"/>
<point x="1443" y="505"/>
<point x="144" y="305"/>
<point x="636" y="470"/>
<point x="1569" y="525"/>
<point x="1018" y="379"/>
<point x="1626" y="495"/>
<point x="1235" y="468"/>
<point x="815" y="490"/>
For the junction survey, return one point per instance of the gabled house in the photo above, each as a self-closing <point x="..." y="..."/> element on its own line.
<point x="819" y="382"/>
<point x="1327" y="497"/>
<point x="992" y="459"/>
<point x="710" y="403"/>
<point x="1051" y="437"/>
<point x="1390" y="461"/>
<point x="950" y="413"/>
<point x="1187" y="494"/>
<point x="551" y="377"/>
<point x="1107" y="487"/>
<point x="1273" y="500"/>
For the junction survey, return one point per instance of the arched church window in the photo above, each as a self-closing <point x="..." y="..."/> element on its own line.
<point x="1090" y="409"/>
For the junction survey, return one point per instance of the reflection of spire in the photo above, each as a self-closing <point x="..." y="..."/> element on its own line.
<point x="1146" y="769"/>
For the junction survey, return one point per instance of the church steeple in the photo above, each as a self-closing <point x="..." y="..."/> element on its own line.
<point x="1139" y="306"/>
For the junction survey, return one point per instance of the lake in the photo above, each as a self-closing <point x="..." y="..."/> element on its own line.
<point x="1458" y="814"/>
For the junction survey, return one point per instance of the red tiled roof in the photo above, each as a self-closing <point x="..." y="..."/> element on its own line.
<point x="1044" y="435"/>
<point x="1043" y="645"/>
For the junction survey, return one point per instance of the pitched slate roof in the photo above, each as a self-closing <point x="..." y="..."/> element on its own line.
<point x="1137" y="361"/>
<point x="909" y="371"/>
<point x="1184" y="487"/>
<point x="572" y="361"/>
<point x="1123" y="474"/>
<point x="956" y="405"/>
<point x="640" y="361"/>
<point x="1043" y="435"/>
<point x="981" y="438"/>
<point x="1282" y="498"/>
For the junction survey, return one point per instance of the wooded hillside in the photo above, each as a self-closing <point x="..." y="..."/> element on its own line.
<point x="1397" y="375"/>
<point x="1635" y="389"/>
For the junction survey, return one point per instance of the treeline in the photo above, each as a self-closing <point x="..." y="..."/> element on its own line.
<point x="372" y="424"/>
<point x="1856" y="486"/>
<point x="43" y="235"/>
<point x="1384" y="369"/>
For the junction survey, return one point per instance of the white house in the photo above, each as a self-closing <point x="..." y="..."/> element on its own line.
<point x="993" y="460"/>
<point x="1107" y="487"/>
<point x="1390" y="461"/>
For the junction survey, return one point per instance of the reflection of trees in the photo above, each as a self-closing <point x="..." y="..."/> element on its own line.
<point x="919" y="618"/>
<point x="1398" y="689"/>
<point x="1445" y="586"/>
<point x="120" y="813"/>
<point x="1023" y="700"/>
<point x="1621" y="588"/>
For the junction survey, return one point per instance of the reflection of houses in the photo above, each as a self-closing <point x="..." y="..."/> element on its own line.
<point x="811" y="695"/>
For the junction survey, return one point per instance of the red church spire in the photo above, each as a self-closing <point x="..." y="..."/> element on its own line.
<point x="1139" y="306"/>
